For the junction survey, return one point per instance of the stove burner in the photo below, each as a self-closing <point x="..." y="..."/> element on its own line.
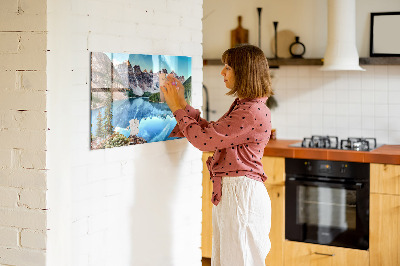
<point x="328" y="142"/>
<point x="332" y="142"/>
<point x="358" y="144"/>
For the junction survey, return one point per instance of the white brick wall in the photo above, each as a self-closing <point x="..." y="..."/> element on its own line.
<point x="137" y="205"/>
<point x="23" y="132"/>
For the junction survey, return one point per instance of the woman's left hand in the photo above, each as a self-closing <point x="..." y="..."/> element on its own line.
<point x="170" y="90"/>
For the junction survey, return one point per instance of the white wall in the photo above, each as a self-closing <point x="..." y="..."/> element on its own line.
<point x="136" y="205"/>
<point x="306" y="19"/>
<point x="311" y="102"/>
<point x="23" y="133"/>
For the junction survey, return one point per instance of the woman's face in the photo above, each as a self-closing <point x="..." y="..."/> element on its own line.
<point x="229" y="76"/>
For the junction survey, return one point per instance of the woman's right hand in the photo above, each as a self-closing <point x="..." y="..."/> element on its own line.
<point x="181" y="89"/>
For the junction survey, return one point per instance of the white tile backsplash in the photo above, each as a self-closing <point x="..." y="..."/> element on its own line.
<point x="343" y="103"/>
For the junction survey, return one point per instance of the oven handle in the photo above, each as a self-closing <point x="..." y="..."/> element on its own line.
<point x="357" y="185"/>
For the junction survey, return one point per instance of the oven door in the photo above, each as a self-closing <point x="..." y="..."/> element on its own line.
<point x="327" y="213"/>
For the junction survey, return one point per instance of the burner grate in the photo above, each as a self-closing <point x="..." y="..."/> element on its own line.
<point x="327" y="142"/>
<point x="358" y="144"/>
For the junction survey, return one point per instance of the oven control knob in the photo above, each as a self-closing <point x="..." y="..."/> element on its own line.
<point x="308" y="166"/>
<point x="343" y="168"/>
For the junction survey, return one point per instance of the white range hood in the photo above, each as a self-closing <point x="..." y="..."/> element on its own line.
<point x="341" y="51"/>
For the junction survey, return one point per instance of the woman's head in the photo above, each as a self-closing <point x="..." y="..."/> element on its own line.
<point x="251" y="73"/>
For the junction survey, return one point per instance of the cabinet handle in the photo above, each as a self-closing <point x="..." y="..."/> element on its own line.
<point x="324" y="254"/>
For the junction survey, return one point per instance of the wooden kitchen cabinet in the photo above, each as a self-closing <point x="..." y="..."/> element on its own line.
<point x="385" y="215"/>
<point x="384" y="236"/>
<point x="206" y="225"/>
<point x="385" y="178"/>
<point x="305" y="254"/>
<point x="277" y="233"/>
<point x="274" y="168"/>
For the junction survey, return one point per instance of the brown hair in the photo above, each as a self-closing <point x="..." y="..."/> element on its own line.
<point x="250" y="66"/>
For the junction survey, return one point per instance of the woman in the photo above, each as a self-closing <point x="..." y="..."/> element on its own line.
<point x="242" y="208"/>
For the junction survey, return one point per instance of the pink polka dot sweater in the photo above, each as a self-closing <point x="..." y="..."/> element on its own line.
<point x="238" y="139"/>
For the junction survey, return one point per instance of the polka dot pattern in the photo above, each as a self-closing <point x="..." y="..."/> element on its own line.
<point x="238" y="139"/>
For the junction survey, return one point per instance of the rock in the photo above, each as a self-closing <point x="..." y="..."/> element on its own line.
<point x="133" y="140"/>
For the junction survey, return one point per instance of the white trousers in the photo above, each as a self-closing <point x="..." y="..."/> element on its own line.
<point x="241" y="223"/>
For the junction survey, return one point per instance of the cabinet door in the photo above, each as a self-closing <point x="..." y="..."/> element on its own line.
<point x="304" y="254"/>
<point x="206" y="232"/>
<point x="384" y="230"/>
<point x="277" y="233"/>
<point x="274" y="168"/>
<point x="385" y="178"/>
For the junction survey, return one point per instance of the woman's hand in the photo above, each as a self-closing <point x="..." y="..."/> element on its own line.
<point x="174" y="93"/>
<point x="181" y="89"/>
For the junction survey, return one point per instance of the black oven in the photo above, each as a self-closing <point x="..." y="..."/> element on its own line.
<point x="327" y="202"/>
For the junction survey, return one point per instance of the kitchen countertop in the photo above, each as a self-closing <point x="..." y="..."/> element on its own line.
<point x="389" y="154"/>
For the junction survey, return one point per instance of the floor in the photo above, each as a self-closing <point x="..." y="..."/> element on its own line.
<point x="206" y="261"/>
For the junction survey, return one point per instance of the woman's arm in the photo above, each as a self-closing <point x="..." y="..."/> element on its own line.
<point x="175" y="98"/>
<point x="238" y="128"/>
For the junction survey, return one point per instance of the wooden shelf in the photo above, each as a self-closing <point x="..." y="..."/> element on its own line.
<point x="274" y="63"/>
<point x="380" y="61"/>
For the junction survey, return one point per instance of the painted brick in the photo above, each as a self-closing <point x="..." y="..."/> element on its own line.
<point x="16" y="158"/>
<point x="33" y="120"/>
<point x="24" y="22"/>
<point x="168" y="21"/>
<point x="155" y="33"/>
<point x="33" y="239"/>
<point x="100" y="42"/>
<point x="32" y="42"/>
<point x="7" y="80"/>
<point x="23" y="178"/>
<point x="17" y="256"/>
<point x="9" y="42"/>
<point x="23" y="100"/>
<point x="8" y="197"/>
<point x="178" y="7"/>
<point x="5" y="158"/>
<point x="196" y="11"/>
<point x="23" y="218"/>
<point x="8" y="6"/>
<point x="16" y="139"/>
<point x="191" y="23"/>
<point x="29" y="61"/>
<point x="8" y="237"/>
<point x="197" y="38"/>
<point x="33" y="199"/>
<point x="194" y="49"/>
<point x="33" y="159"/>
<point x="141" y="45"/>
<point x="33" y="7"/>
<point x="98" y="222"/>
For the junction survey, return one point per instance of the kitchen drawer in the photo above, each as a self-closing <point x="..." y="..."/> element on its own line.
<point x="305" y="254"/>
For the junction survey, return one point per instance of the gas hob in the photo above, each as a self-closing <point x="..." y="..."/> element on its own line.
<point x="332" y="142"/>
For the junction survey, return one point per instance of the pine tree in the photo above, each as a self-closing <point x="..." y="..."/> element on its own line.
<point x="100" y="127"/>
<point x="108" y="117"/>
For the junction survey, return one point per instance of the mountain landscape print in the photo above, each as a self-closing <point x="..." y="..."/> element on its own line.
<point x="127" y="107"/>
